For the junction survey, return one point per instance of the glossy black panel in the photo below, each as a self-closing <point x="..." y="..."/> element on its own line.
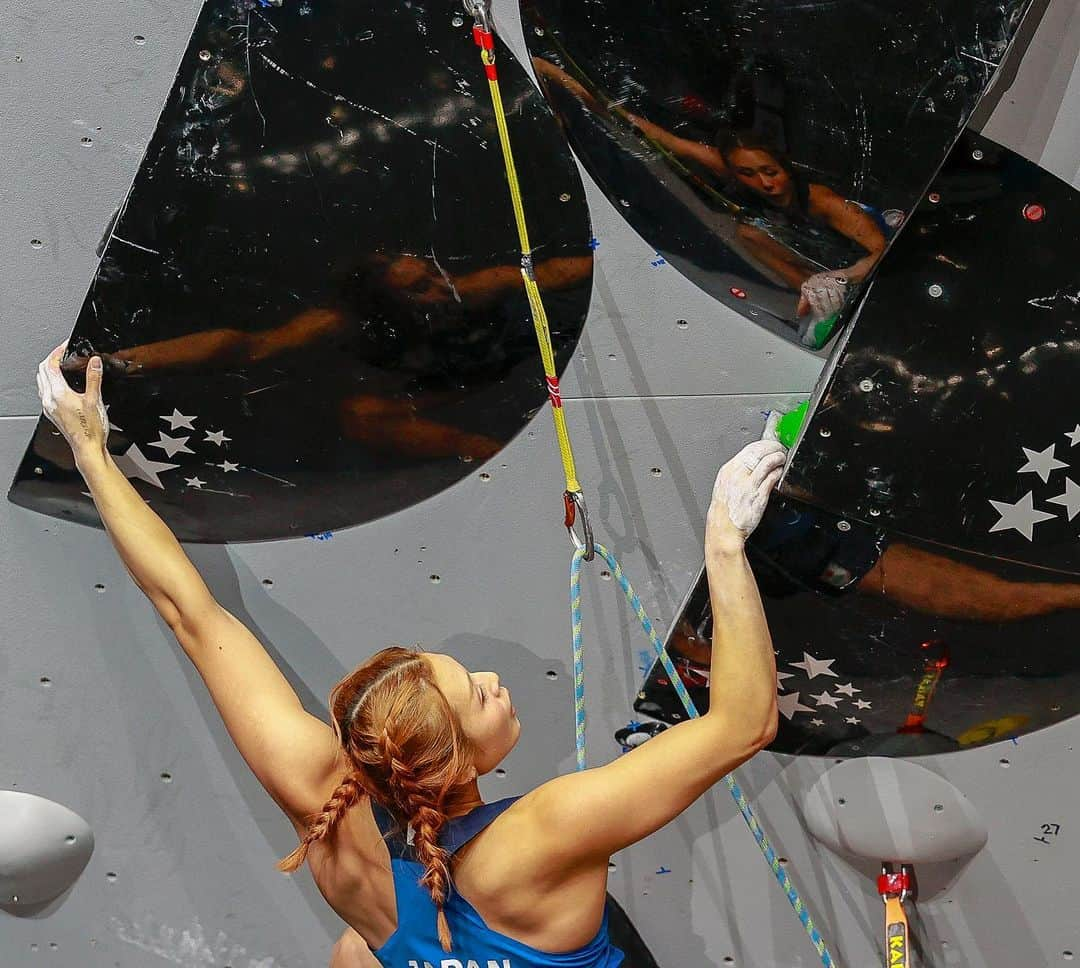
<point x="890" y="646"/>
<point x="829" y="102"/>
<point x="951" y="414"/>
<point x="311" y="292"/>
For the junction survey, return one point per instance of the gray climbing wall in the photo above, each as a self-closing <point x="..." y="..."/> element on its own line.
<point x="100" y="712"/>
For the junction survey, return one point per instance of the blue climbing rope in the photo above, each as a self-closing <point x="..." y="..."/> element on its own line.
<point x="691" y="711"/>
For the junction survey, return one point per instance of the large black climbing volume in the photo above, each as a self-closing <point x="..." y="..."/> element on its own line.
<point x="309" y="302"/>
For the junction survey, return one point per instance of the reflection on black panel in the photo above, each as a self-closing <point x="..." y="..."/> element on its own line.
<point x="309" y="304"/>
<point x="768" y="151"/>
<point x="952" y="411"/>
<point x="889" y="646"/>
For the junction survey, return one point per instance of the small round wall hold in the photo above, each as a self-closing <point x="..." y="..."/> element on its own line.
<point x="737" y="292"/>
<point x="204" y="55"/>
<point x="843" y="525"/>
<point x="866" y="385"/>
<point x="1034" y="212"/>
<point x="936" y="291"/>
<point x="977" y="154"/>
<point x="824" y="432"/>
<point x="933" y="198"/>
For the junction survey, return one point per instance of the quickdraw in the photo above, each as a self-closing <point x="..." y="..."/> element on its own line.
<point x="933" y="669"/>
<point x="574" y="499"/>
<point x="895" y="887"/>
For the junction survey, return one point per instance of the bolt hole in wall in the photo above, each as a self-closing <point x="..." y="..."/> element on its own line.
<point x="500" y="772"/>
<point x="45" y="681"/>
<point x="551" y="674"/>
<point x="99" y="588"/>
<point x="139" y="40"/>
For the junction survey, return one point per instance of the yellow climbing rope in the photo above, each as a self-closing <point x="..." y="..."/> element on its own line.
<point x="485" y="40"/>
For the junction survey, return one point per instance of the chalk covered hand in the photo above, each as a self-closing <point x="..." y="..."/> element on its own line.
<point x="822" y="295"/>
<point x="80" y="417"/>
<point x="742" y="489"/>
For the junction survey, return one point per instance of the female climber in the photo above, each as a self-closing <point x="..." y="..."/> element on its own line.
<point x="518" y="883"/>
<point x="789" y="224"/>
<point x="800" y="222"/>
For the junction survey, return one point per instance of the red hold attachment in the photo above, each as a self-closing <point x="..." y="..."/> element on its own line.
<point x="1034" y="212"/>
<point x="737" y="292"/>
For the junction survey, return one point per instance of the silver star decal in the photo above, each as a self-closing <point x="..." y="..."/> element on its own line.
<point x="1020" y="516"/>
<point x="817" y="722"/>
<point x="862" y="704"/>
<point x="1074" y="436"/>
<point x="228" y="466"/>
<point x="178" y="420"/>
<point x="814" y="667"/>
<point x="134" y="463"/>
<point x="194" y="482"/>
<point x="825" y="699"/>
<point x="780" y="677"/>
<point x="1070" y="500"/>
<point x="1041" y="462"/>
<point x="789" y="705"/>
<point x="848" y="690"/>
<point x="852" y="720"/>
<point x="217" y="437"/>
<point x="172" y="445"/>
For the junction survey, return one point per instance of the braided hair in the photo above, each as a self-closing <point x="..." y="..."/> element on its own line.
<point x="408" y="753"/>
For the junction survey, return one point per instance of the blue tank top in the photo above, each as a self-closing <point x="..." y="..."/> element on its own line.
<point x="415" y="941"/>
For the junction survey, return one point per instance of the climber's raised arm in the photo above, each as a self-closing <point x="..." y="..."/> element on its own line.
<point x="586" y="816"/>
<point x="293" y="754"/>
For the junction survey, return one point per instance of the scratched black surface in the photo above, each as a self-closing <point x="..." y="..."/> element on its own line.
<point x="864" y="98"/>
<point x="924" y="420"/>
<point x="862" y="601"/>
<point x="324" y="193"/>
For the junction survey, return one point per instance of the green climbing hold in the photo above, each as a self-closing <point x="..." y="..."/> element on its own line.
<point x="789" y="425"/>
<point x="822" y="330"/>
